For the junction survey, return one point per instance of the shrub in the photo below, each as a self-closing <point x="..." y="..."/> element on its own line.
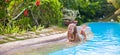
<point x="49" y="12"/>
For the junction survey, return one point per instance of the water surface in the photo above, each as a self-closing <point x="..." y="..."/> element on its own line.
<point x="106" y="41"/>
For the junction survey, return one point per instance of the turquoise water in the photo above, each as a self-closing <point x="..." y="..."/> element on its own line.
<point x="106" y="41"/>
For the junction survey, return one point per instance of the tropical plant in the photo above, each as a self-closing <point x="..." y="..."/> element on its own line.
<point x="90" y="10"/>
<point x="49" y="12"/>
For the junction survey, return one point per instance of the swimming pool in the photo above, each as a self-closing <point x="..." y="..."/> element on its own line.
<point x="106" y="41"/>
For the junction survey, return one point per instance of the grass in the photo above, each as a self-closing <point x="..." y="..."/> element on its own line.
<point x="1" y="41"/>
<point x="10" y="39"/>
<point x="14" y="37"/>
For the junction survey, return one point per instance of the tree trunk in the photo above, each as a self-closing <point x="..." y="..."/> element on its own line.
<point x="113" y="16"/>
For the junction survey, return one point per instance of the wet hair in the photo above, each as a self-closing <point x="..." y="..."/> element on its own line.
<point x="75" y="30"/>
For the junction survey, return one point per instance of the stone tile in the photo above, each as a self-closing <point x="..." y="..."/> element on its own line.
<point x="2" y="37"/>
<point x="47" y="34"/>
<point x="11" y="39"/>
<point x="20" y="37"/>
<point x="41" y="35"/>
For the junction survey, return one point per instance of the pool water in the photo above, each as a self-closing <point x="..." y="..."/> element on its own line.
<point x="106" y="41"/>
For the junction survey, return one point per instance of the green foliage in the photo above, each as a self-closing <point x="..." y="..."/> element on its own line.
<point x="89" y="10"/>
<point x="17" y="29"/>
<point x="2" y="9"/>
<point x="92" y="10"/>
<point x="10" y="29"/>
<point x="49" y="12"/>
<point x="13" y="8"/>
<point x="70" y="4"/>
<point x="34" y="28"/>
<point x="1" y="42"/>
<point x="24" y="22"/>
<point x="16" y="6"/>
<point x="19" y="26"/>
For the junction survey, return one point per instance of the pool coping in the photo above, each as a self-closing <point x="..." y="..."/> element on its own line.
<point x="4" y="48"/>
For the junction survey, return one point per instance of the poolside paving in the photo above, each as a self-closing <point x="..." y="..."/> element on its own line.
<point x="5" y="48"/>
<point x="31" y="34"/>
